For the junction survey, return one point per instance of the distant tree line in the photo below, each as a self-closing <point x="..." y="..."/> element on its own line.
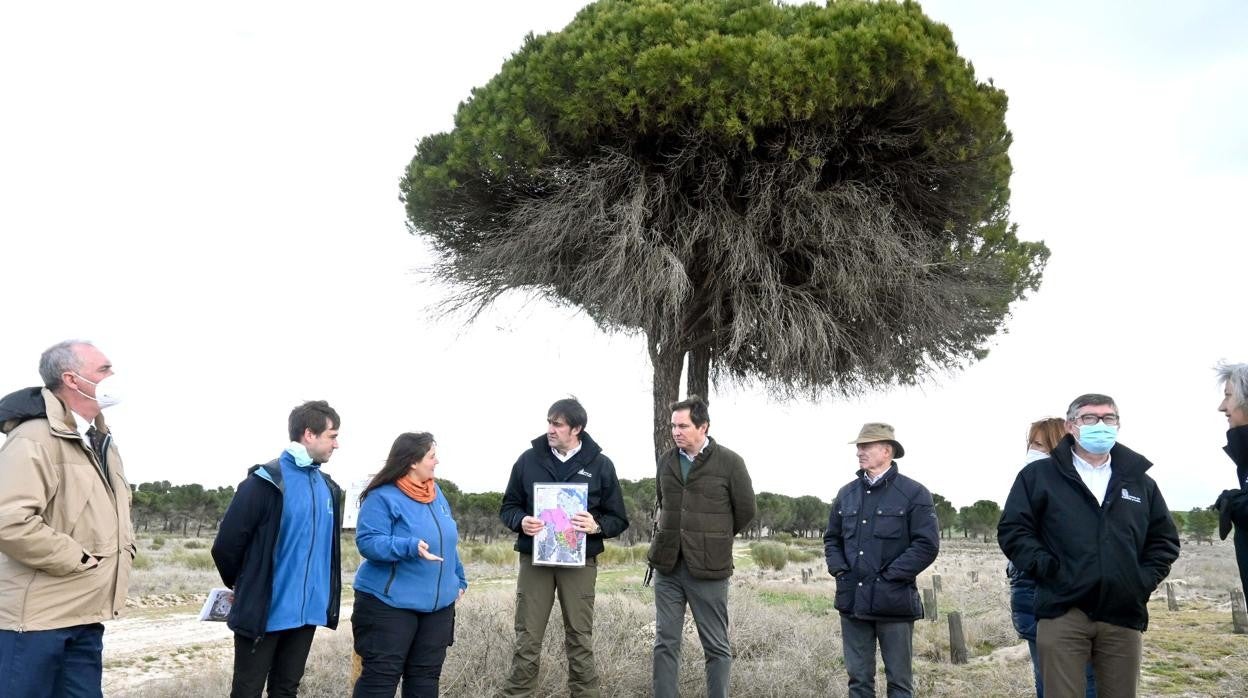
<point x="178" y="508"/>
<point x="184" y="509"/>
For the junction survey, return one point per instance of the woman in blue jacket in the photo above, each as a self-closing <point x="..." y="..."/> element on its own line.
<point x="411" y="577"/>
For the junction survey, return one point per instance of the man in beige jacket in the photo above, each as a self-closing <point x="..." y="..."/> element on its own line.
<point x="66" y="542"/>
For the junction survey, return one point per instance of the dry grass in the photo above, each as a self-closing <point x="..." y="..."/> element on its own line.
<point x="786" y="636"/>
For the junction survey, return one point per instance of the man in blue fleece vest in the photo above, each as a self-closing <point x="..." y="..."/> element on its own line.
<point x="278" y="549"/>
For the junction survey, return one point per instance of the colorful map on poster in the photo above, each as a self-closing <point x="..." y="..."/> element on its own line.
<point x="559" y="543"/>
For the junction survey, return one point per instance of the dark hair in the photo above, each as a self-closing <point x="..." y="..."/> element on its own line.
<point x="410" y="447"/>
<point x="315" y="415"/>
<point x="1086" y="400"/>
<point x="698" y="413"/>
<point x="571" y="410"/>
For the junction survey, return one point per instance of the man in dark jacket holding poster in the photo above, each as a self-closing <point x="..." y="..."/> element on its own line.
<point x="565" y="453"/>
<point x="882" y="532"/>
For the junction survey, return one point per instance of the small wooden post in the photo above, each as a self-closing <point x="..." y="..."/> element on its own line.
<point x="1239" y="617"/>
<point x="974" y="576"/>
<point x="936" y="583"/>
<point x="805" y="575"/>
<point x="957" y="641"/>
<point x="1171" y="602"/>
<point x="929" y="604"/>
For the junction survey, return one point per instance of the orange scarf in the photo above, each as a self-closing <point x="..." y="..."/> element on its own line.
<point x="423" y="492"/>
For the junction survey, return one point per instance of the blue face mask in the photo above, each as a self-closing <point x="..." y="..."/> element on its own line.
<point x="300" y="454"/>
<point x="1097" y="438"/>
<point x="1034" y="455"/>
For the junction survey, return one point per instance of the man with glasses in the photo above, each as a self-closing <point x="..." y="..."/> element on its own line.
<point x="1094" y="531"/>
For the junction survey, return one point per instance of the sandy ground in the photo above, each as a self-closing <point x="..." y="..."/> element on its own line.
<point x="162" y="642"/>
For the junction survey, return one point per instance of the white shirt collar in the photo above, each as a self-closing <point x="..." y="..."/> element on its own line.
<point x="82" y="425"/>
<point x="1081" y="463"/>
<point x="871" y="480"/>
<point x="705" y="442"/>
<point x="565" y="457"/>
<point x="1095" y="477"/>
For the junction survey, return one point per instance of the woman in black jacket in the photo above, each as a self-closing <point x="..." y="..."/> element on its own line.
<point x="1233" y="504"/>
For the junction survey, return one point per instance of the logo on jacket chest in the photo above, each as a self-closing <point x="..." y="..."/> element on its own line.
<point x="1130" y="497"/>
<point x="582" y="472"/>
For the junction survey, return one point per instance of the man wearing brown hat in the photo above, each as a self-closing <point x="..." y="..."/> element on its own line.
<point x="882" y="533"/>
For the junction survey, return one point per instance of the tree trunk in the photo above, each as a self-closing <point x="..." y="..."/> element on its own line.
<point x="667" y="363"/>
<point x="698" y="380"/>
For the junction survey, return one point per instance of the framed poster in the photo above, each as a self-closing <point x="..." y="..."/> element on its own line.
<point x="559" y="543"/>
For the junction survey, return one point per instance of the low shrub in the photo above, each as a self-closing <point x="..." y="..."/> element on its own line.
<point x="491" y="554"/>
<point x="768" y="554"/>
<point x="193" y="560"/>
<point x="613" y="554"/>
<point x="796" y="554"/>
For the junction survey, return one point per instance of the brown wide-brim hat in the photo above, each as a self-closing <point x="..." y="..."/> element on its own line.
<point x="879" y="431"/>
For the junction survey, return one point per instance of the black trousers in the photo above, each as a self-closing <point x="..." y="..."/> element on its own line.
<point x="279" y="657"/>
<point x="397" y="643"/>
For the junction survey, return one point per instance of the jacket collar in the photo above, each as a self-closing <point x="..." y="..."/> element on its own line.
<point x="61" y="419"/>
<point x="672" y="458"/>
<point x="1237" y="448"/>
<point x="1124" y="463"/>
<point x="589" y="448"/>
<point x="889" y="475"/>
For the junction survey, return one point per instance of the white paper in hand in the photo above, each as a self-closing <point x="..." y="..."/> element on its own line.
<point x="217" y="605"/>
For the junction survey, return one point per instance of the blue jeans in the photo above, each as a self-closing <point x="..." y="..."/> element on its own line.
<point x="61" y="663"/>
<point x="1022" y="603"/>
<point x="896" y="640"/>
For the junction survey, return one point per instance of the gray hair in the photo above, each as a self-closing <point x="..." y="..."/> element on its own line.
<point x="1088" y="399"/>
<point x="1236" y="376"/>
<point x="59" y="358"/>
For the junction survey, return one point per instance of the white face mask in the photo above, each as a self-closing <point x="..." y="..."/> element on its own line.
<point x="1034" y="455"/>
<point x="104" y="398"/>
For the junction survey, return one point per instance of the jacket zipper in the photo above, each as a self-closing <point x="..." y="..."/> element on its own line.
<point x="307" y="570"/>
<point x="437" y="593"/>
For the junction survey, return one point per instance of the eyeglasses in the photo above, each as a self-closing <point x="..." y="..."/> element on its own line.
<point x="1109" y="420"/>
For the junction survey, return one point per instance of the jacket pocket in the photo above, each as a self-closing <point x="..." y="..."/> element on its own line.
<point x="846" y="585"/>
<point x="898" y="599"/>
<point x="718" y="547"/>
<point x="889" y="523"/>
<point x="664" y="548"/>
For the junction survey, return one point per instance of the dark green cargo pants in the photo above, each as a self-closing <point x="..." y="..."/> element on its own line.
<point x="536" y="588"/>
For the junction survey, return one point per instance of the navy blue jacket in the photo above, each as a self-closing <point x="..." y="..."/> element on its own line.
<point x="243" y="549"/>
<point x="589" y="465"/>
<point x="1104" y="558"/>
<point x="879" y="538"/>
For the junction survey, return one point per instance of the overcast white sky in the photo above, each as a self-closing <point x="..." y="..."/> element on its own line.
<point x="209" y="192"/>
